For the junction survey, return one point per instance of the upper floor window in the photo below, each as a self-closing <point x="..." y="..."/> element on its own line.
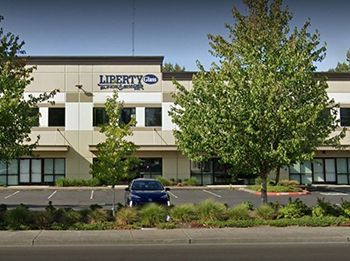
<point x="35" y="112"/>
<point x="153" y="117"/>
<point x="345" y="116"/>
<point x="100" y="116"/>
<point x="57" y="117"/>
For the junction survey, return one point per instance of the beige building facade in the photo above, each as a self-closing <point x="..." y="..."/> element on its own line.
<point x="69" y="129"/>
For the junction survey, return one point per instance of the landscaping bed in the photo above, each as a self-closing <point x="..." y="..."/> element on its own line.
<point x="207" y="214"/>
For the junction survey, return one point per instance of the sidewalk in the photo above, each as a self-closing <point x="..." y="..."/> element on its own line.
<point x="260" y="235"/>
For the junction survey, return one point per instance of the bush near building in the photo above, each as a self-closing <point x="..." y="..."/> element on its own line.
<point x="205" y="214"/>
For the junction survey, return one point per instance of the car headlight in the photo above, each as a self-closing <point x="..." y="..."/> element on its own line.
<point x="135" y="196"/>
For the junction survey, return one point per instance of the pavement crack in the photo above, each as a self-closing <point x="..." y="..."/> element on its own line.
<point x="33" y="240"/>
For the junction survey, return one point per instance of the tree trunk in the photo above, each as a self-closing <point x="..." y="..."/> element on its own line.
<point x="113" y="204"/>
<point x="264" y="189"/>
<point x="277" y="179"/>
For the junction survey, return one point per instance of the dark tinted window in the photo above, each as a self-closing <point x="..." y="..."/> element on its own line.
<point x="126" y="115"/>
<point x="57" y="117"/>
<point x="146" y="185"/>
<point x="99" y="116"/>
<point x="35" y="112"/>
<point x="153" y="117"/>
<point x="345" y="116"/>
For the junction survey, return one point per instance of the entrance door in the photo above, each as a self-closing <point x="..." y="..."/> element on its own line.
<point x="24" y="170"/>
<point x="36" y="171"/>
<point x="318" y="171"/>
<point x="330" y="170"/>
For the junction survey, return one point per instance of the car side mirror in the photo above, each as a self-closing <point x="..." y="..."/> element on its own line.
<point x="127" y="189"/>
<point x="167" y="189"/>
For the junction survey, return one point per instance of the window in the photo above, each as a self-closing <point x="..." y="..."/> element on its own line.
<point x="35" y="112"/>
<point x="153" y="117"/>
<point x="345" y="116"/>
<point x="150" y="167"/>
<point x="301" y="172"/>
<point x="99" y="116"/>
<point x="54" y="169"/>
<point x="127" y="114"/>
<point x="57" y="117"/>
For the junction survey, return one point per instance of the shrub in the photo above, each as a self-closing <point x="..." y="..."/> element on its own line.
<point x="294" y="209"/>
<point x="165" y="182"/>
<point x="19" y="218"/>
<point x="95" y="226"/>
<point x="210" y="210"/>
<point x="183" y="213"/>
<point x="77" y="182"/>
<point x="266" y="212"/>
<point x="126" y="217"/>
<point x="99" y="216"/>
<point x="152" y="215"/>
<point x="288" y="183"/>
<point x="43" y="219"/>
<point x="240" y="211"/>
<point x="309" y="221"/>
<point x="258" y="181"/>
<point x="190" y="182"/>
<point x="345" y="207"/>
<point x="324" y="208"/>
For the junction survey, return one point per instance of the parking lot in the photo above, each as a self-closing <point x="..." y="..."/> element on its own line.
<point x="83" y="197"/>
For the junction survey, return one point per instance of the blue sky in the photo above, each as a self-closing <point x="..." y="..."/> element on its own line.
<point x="176" y="29"/>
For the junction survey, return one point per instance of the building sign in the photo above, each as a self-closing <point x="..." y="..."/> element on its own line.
<point x="124" y="81"/>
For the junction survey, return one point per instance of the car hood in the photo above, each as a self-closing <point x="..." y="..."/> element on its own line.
<point x="148" y="193"/>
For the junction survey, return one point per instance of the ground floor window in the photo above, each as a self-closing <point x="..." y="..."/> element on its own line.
<point x="32" y="171"/>
<point x="210" y="172"/>
<point x="150" y="167"/>
<point x="321" y="170"/>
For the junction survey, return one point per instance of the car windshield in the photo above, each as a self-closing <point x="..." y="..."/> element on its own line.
<point x="146" y="185"/>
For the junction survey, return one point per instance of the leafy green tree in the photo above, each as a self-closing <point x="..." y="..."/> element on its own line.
<point x="18" y="113"/>
<point x="169" y="67"/>
<point x="261" y="106"/>
<point x="115" y="161"/>
<point x="343" y="67"/>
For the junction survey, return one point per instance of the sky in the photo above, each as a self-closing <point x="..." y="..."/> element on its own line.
<point x="175" y="29"/>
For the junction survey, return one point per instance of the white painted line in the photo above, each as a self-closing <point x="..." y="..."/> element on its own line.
<point x="53" y="193"/>
<point x="92" y="194"/>
<point x="172" y="194"/>
<point x="212" y="193"/>
<point x="11" y="194"/>
<point x="333" y="194"/>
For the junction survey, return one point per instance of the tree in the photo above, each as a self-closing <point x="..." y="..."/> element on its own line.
<point x="115" y="160"/>
<point x="17" y="113"/>
<point x="261" y="106"/>
<point x="169" y="67"/>
<point x="343" y="67"/>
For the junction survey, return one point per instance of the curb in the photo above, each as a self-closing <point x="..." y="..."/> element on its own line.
<point x="257" y="193"/>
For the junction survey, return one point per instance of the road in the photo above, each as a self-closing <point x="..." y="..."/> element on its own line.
<point x="261" y="252"/>
<point x="77" y="197"/>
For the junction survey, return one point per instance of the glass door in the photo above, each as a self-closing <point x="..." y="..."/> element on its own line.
<point x="36" y="171"/>
<point x="318" y="171"/>
<point x="24" y="170"/>
<point x="330" y="170"/>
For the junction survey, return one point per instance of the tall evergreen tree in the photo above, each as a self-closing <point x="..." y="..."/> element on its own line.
<point x="261" y="106"/>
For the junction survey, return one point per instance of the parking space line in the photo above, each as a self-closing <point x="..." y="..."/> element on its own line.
<point x="172" y="194"/>
<point x="53" y="193"/>
<point x="212" y="193"/>
<point x="92" y="194"/>
<point x="11" y="194"/>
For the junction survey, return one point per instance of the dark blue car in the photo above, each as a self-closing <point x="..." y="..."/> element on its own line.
<point x="142" y="191"/>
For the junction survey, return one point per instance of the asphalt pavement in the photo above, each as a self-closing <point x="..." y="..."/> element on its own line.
<point x="39" y="197"/>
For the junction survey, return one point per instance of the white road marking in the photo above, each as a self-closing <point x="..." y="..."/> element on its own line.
<point x="212" y="193"/>
<point x="92" y="194"/>
<point x="172" y="194"/>
<point x="53" y="193"/>
<point x="12" y="194"/>
<point x="333" y="194"/>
